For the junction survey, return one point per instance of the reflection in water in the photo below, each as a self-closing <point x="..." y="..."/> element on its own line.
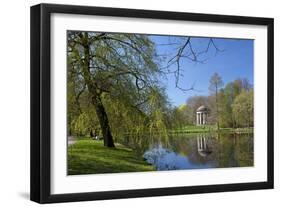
<point x="165" y="159"/>
<point x="203" y="146"/>
<point x="197" y="151"/>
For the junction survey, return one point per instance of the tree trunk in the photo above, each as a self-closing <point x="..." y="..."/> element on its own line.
<point x="96" y="99"/>
<point x="217" y="106"/>
<point x="104" y="124"/>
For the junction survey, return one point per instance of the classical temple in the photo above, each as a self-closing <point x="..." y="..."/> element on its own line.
<point x="201" y="115"/>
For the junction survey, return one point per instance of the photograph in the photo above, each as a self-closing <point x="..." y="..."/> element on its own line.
<point x="150" y="102"/>
<point x="129" y="103"/>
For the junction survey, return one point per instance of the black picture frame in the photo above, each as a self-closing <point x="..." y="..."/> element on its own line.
<point x="41" y="96"/>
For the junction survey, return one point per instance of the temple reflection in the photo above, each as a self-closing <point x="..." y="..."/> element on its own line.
<point x="203" y="145"/>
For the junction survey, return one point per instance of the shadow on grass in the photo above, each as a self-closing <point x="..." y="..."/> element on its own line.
<point x="91" y="157"/>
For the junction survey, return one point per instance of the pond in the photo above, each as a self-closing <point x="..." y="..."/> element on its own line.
<point x="198" y="151"/>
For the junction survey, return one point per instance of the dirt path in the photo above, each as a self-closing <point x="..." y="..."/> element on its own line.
<point x="71" y="140"/>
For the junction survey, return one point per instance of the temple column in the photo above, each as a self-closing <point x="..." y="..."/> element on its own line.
<point x="204" y="118"/>
<point x="205" y="143"/>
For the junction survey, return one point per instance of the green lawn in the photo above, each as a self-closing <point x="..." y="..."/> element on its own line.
<point x="209" y="128"/>
<point x="194" y="129"/>
<point x="88" y="156"/>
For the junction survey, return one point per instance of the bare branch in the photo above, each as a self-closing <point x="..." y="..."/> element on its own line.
<point x="191" y="54"/>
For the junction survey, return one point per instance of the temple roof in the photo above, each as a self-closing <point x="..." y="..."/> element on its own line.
<point x="202" y="109"/>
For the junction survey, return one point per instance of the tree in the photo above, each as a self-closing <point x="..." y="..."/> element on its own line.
<point x="117" y="76"/>
<point x="225" y="105"/>
<point x="185" y="50"/>
<point x="215" y="84"/>
<point x="181" y="116"/>
<point x="111" y="66"/>
<point x="227" y="96"/>
<point x="243" y="108"/>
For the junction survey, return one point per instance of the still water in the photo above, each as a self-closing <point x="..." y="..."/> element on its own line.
<point x="199" y="151"/>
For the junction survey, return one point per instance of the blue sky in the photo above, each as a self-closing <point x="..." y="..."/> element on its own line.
<point x="235" y="60"/>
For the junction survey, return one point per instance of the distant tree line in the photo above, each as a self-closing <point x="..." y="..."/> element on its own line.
<point x="231" y="106"/>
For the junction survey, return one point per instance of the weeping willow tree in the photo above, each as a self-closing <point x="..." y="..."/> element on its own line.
<point x="112" y="83"/>
<point x="137" y="126"/>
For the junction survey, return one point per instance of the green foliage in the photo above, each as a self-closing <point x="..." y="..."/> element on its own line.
<point x="215" y="84"/>
<point x="182" y="116"/>
<point x="226" y="98"/>
<point x="243" y="109"/>
<point x="85" y="123"/>
<point x="225" y="106"/>
<point x="81" y="124"/>
<point x="223" y="102"/>
<point x="122" y="71"/>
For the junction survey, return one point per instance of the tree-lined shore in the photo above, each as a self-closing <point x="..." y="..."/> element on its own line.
<point x="231" y="106"/>
<point x="116" y="93"/>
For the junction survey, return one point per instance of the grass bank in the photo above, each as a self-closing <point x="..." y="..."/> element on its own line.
<point x="88" y="156"/>
<point x="210" y="128"/>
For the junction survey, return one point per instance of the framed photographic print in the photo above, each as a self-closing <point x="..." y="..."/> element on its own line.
<point x="132" y="103"/>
